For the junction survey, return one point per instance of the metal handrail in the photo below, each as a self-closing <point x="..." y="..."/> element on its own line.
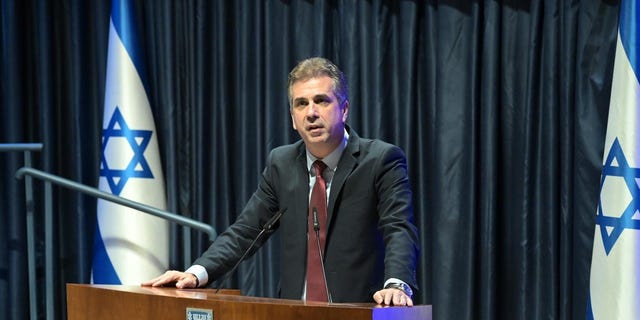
<point x="21" y="146"/>
<point x="28" y="172"/>
<point x="209" y="230"/>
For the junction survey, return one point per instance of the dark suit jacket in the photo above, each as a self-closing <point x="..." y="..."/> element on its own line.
<point x="371" y="236"/>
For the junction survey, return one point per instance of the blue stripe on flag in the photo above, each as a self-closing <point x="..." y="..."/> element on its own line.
<point x="589" y="315"/>
<point x="103" y="270"/>
<point x="629" y="32"/>
<point x="124" y="22"/>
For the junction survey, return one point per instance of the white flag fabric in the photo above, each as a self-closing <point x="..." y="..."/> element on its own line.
<point x="130" y="246"/>
<point x="615" y="284"/>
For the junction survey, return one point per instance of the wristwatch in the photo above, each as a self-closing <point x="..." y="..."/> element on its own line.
<point x="402" y="286"/>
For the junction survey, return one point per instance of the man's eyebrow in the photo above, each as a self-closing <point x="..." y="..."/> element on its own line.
<point x="323" y="96"/>
<point x="299" y="99"/>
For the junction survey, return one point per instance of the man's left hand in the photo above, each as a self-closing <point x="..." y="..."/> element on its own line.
<point x="392" y="296"/>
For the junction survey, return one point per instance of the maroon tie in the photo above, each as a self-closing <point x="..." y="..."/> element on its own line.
<point x="316" y="290"/>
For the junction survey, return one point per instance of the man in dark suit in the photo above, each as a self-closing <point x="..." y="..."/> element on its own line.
<point x="367" y="236"/>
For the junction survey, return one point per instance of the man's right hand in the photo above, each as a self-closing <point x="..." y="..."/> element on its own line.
<point x="180" y="280"/>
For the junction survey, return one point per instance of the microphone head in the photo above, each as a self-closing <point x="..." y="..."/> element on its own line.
<point x="316" y="223"/>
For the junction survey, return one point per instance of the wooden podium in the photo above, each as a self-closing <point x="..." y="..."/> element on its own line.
<point x="136" y="302"/>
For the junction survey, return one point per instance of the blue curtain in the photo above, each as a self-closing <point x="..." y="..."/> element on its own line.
<point x="500" y="106"/>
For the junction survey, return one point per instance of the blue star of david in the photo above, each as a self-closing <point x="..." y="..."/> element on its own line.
<point x="138" y="141"/>
<point x="625" y="221"/>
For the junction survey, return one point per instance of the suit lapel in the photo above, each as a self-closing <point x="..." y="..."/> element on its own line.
<point x="301" y="198"/>
<point x="347" y="163"/>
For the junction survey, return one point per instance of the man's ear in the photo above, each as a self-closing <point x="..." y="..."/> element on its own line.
<point x="293" y="121"/>
<point x="345" y="111"/>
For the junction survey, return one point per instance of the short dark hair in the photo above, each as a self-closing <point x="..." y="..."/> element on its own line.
<point x="315" y="67"/>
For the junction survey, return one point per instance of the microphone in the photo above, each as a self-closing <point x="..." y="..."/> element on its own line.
<point x="316" y="228"/>
<point x="267" y="226"/>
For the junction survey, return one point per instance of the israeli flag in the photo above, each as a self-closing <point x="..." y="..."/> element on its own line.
<point x="130" y="246"/>
<point x="615" y="266"/>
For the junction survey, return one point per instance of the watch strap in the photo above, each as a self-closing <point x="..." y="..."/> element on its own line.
<point x="400" y="286"/>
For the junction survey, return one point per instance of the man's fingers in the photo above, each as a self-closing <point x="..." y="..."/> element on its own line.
<point x="187" y="281"/>
<point x="377" y="297"/>
<point x="153" y="282"/>
<point x="149" y="282"/>
<point x="398" y="300"/>
<point x="409" y="302"/>
<point x="388" y="298"/>
<point x="392" y="297"/>
<point x="168" y="277"/>
<point x="402" y="300"/>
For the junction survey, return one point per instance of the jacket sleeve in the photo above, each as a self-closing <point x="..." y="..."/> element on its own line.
<point x="396" y="220"/>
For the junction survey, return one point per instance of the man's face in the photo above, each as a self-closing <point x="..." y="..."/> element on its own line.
<point x="317" y="115"/>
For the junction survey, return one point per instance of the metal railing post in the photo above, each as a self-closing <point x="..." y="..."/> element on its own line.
<point x="48" y="250"/>
<point x="31" y="242"/>
<point x="30" y="221"/>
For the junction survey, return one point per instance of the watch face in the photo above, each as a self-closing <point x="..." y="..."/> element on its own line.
<point x="406" y="289"/>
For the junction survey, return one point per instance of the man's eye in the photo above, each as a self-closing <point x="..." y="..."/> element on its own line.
<point x="301" y="104"/>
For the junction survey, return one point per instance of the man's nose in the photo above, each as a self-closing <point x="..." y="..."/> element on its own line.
<point x="312" y="110"/>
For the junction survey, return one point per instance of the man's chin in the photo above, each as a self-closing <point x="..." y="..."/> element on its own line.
<point x="316" y="136"/>
<point x="315" y="140"/>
